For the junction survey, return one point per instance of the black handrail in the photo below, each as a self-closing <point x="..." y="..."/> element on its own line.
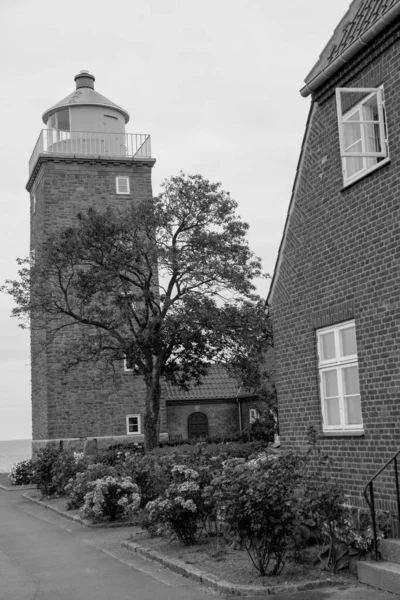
<point x="371" y="500"/>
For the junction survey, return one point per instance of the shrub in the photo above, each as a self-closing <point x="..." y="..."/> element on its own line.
<point x="257" y="500"/>
<point x="43" y="468"/>
<point x="111" y="498"/>
<point x="117" y="454"/>
<point x="181" y="510"/>
<point x="22" y="472"/>
<point x="65" y="467"/>
<point x="327" y="521"/>
<point x="151" y="474"/>
<point x="78" y="486"/>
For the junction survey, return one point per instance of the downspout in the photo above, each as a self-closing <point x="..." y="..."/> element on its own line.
<point x="240" y="411"/>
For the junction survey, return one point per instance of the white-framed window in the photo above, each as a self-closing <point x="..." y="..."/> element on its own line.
<point x="253" y="415"/>
<point x="338" y="377"/>
<point x="122" y="185"/>
<point x="133" y="426"/>
<point x="362" y="131"/>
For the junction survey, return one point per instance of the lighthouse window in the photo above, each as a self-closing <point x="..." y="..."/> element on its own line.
<point x="63" y="120"/>
<point x="122" y="185"/>
<point x="59" y="120"/>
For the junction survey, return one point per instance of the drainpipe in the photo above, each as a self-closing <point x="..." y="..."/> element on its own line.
<point x="240" y="411"/>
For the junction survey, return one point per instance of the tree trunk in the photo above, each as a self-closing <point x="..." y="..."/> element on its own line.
<point x="151" y="416"/>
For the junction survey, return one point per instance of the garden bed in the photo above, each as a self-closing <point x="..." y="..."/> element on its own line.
<point x="218" y="558"/>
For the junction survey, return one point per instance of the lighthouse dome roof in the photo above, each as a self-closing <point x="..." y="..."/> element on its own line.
<point x="84" y="95"/>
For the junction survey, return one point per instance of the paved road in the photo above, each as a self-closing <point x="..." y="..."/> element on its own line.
<point x="45" y="557"/>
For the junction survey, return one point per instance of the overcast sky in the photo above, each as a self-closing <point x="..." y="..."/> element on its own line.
<point x="214" y="82"/>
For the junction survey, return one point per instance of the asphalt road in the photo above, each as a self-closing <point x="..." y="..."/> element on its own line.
<point x="45" y="557"/>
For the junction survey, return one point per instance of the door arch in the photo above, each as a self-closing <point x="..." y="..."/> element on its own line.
<point x="197" y="425"/>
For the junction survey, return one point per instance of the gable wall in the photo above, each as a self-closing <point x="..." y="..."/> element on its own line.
<point x="341" y="260"/>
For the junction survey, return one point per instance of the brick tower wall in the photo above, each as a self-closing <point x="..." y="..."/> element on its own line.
<point x="81" y="403"/>
<point x="341" y="261"/>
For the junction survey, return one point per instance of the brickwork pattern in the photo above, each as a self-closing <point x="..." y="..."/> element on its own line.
<point x="341" y="260"/>
<point x="80" y="404"/>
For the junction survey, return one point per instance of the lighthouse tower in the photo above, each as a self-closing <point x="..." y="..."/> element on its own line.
<point x="84" y="158"/>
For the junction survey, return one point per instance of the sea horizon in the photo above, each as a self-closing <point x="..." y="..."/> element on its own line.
<point x="14" y="451"/>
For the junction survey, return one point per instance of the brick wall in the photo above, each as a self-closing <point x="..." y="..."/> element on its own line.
<point x="341" y="260"/>
<point x="81" y="403"/>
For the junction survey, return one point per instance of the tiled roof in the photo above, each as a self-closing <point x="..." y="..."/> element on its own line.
<point x="217" y="384"/>
<point x="361" y="16"/>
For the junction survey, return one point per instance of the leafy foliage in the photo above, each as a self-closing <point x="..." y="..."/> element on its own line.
<point x="43" y="469"/>
<point x="168" y="284"/>
<point x="181" y="510"/>
<point x="22" y="472"/>
<point x="111" y="498"/>
<point x="78" y="486"/>
<point x="258" y="502"/>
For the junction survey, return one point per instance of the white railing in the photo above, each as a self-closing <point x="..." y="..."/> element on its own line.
<point x="91" y="143"/>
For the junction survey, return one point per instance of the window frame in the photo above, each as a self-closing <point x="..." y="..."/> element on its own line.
<point x="139" y="425"/>
<point x="117" y="186"/>
<point x="126" y="368"/>
<point x="364" y="153"/>
<point x="337" y="364"/>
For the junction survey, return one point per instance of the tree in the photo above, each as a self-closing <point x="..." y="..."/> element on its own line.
<point x="168" y="284"/>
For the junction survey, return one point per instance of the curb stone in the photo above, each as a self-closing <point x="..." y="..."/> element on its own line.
<point x="219" y="585"/>
<point x="77" y="518"/>
<point x="17" y="488"/>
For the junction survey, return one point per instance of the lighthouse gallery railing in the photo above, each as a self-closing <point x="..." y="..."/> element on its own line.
<point x="91" y="143"/>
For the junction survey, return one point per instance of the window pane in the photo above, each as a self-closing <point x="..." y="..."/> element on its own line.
<point x="328" y="346"/>
<point x="63" y="120"/>
<point x="353" y="410"/>
<point x="330" y="385"/>
<point x="348" y="345"/>
<point x="350" y="380"/>
<point x="122" y="185"/>
<point x="352" y="134"/>
<point x="332" y="412"/>
<point x="354" y="165"/>
<point x="133" y="425"/>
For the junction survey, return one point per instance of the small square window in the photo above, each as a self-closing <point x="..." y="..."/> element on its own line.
<point x="122" y="185"/>
<point x="133" y="425"/>
<point x="362" y="131"/>
<point x="338" y="376"/>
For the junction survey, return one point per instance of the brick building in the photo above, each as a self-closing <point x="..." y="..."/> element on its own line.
<point x="83" y="159"/>
<point x="334" y="299"/>
<point x="220" y="406"/>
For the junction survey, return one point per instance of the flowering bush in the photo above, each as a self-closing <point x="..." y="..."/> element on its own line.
<point x="181" y="510"/>
<point x="111" y="498"/>
<point x="78" y="486"/>
<point x="22" y="472"/>
<point x="257" y="500"/>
